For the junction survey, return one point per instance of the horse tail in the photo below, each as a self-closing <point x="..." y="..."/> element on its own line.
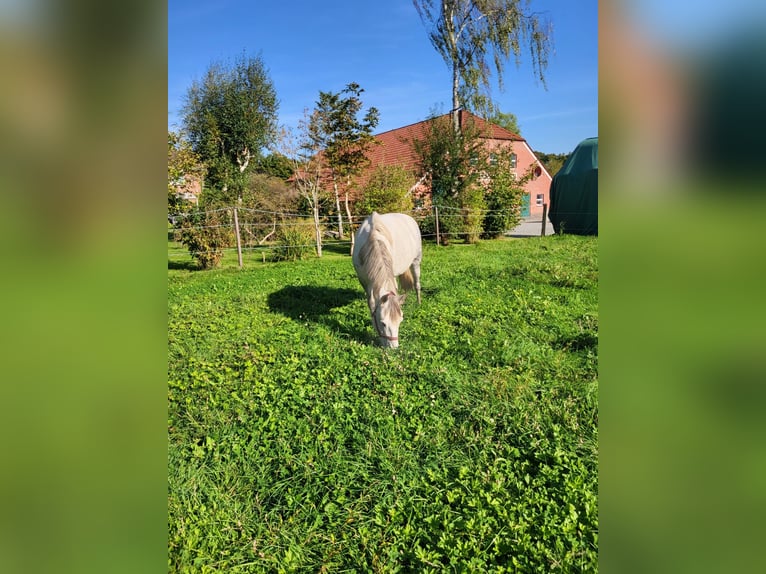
<point x="406" y="280"/>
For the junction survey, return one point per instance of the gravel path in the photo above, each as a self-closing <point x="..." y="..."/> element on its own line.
<point x="531" y="227"/>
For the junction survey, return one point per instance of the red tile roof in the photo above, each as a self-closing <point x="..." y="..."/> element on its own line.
<point x="395" y="146"/>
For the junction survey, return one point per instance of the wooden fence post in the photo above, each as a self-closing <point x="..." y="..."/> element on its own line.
<point x="545" y="218"/>
<point x="239" y="241"/>
<point x="436" y="211"/>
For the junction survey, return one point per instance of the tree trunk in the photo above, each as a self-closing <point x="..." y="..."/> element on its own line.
<point x="455" y="99"/>
<point x="272" y="232"/>
<point x="350" y="224"/>
<point x="243" y="164"/>
<point x="337" y="209"/>
<point x="317" y="230"/>
<point x="452" y="35"/>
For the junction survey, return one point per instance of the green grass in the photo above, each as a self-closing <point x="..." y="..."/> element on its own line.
<point x="297" y="445"/>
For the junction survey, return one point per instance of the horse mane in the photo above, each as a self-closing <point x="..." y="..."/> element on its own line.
<point x="375" y="255"/>
<point x="394" y="307"/>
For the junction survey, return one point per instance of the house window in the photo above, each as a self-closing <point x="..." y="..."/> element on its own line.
<point x="513" y="161"/>
<point x="540" y="198"/>
<point x="493" y="159"/>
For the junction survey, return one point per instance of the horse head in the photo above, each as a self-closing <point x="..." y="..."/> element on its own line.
<point x="386" y="318"/>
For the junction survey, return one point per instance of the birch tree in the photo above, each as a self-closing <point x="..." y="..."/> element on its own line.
<point x="475" y="36"/>
<point x="308" y="168"/>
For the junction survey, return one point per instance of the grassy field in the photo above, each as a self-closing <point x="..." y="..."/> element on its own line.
<point x="297" y="445"/>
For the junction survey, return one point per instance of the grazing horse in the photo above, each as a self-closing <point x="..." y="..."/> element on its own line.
<point x="387" y="246"/>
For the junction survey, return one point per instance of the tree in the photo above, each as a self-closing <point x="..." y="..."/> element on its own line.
<point x="230" y="116"/>
<point x="508" y="121"/>
<point x="471" y="34"/>
<point x="275" y="165"/>
<point x="387" y="191"/>
<point x="504" y="192"/>
<point x="183" y="166"/>
<point x="270" y="194"/>
<point x="344" y="138"/>
<point x="264" y="198"/>
<point x="454" y="163"/>
<point x="553" y="162"/>
<point x="308" y="166"/>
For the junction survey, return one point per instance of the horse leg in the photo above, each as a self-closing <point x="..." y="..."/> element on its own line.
<point x="415" y="268"/>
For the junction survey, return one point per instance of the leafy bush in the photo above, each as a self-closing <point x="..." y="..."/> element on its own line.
<point x="452" y="160"/>
<point x="450" y="224"/>
<point x="206" y="234"/>
<point x="473" y="213"/>
<point x="503" y="196"/>
<point x="387" y="191"/>
<point x="459" y="218"/>
<point x="295" y="239"/>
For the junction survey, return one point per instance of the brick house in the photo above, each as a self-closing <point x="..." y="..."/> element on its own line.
<point x="394" y="148"/>
<point x="189" y="188"/>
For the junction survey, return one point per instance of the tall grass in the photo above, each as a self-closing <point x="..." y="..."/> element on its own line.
<point x="296" y="445"/>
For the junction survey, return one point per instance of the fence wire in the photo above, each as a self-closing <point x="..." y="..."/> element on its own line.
<point x="272" y="221"/>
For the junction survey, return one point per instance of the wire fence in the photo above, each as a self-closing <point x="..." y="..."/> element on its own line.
<point x="258" y="231"/>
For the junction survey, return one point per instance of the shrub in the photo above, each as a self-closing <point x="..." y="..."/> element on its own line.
<point x="503" y="196"/>
<point x="295" y="238"/>
<point x="206" y="234"/>
<point x="460" y="217"/>
<point x="451" y="158"/>
<point x="428" y="226"/>
<point x="473" y="213"/>
<point x="387" y="191"/>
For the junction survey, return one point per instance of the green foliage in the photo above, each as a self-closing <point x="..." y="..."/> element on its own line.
<point x="183" y="164"/>
<point x="206" y="234"/>
<point x="269" y="193"/>
<point x="308" y="166"/>
<point x="508" y="121"/>
<point x="338" y="130"/>
<point x="387" y="191"/>
<point x="230" y="116"/>
<point x="344" y="139"/>
<point x="472" y="219"/>
<point x="324" y="203"/>
<point x="454" y="161"/>
<point x="295" y="444"/>
<point x="263" y="197"/>
<point x="475" y="36"/>
<point x="504" y="195"/>
<point x="275" y="165"/>
<point x="553" y="162"/>
<point x="294" y="239"/>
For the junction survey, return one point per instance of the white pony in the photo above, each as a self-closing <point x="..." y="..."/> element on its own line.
<point x="387" y="246"/>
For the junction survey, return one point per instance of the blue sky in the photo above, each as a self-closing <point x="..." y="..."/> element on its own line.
<point x="308" y="46"/>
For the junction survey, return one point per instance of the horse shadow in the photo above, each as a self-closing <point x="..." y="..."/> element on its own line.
<point x="315" y="304"/>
